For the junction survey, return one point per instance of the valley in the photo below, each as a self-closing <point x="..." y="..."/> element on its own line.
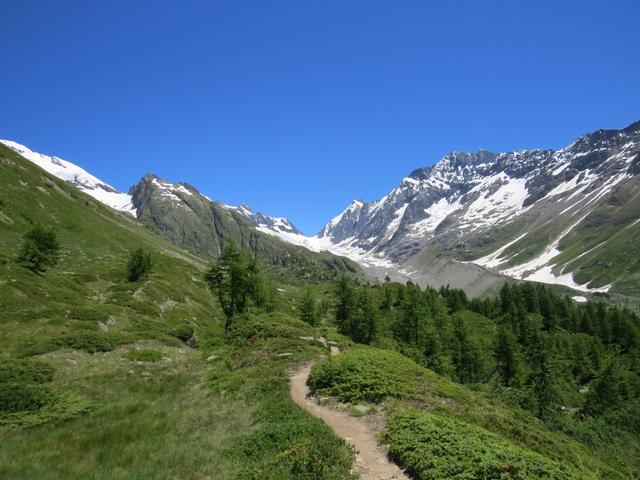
<point x="168" y="373"/>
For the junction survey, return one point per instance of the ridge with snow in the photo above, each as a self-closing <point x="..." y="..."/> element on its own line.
<point x="78" y="177"/>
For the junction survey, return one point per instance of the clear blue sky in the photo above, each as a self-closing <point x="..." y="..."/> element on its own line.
<point x="296" y="107"/>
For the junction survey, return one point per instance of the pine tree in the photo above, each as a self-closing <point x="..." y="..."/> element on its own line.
<point x="345" y="307"/>
<point x="466" y="355"/>
<point x="507" y="356"/>
<point x="543" y="376"/>
<point x="365" y="322"/>
<point x="387" y="298"/>
<point x="139" y="265"/>
<point x="607" y="391"/>
<point x="409" y="323"/>
<point x="506" y="297"/>
<point x="308" y="307"/>
<point x="237" y="280"/>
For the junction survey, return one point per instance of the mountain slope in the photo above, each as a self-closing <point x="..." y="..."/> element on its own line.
<point x="187" y="218"/>
<point x="125" y="396"/>
<point x="568" y="217"/>
<point x="78" y="177"/>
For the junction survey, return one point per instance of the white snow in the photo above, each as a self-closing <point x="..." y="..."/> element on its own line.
<point x="346" y="248"/>
<point x="437" y="212"/>
<point x="77" y="176"/>
<point x="494" y="259"/>
<point x="526" y="270"/>
<point x="353" y="207"/>
<point x="393" y="226"/>
<point x="506" y="201"/>
<point x="580" y="299"/>
<point x="540" y="268"/>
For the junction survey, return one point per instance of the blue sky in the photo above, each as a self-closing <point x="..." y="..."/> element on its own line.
<point x="297" y="107"/>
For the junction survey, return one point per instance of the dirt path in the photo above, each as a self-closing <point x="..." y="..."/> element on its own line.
<point x="371" y="459"/>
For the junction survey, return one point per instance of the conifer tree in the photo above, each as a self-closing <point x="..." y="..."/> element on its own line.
<point x="308" y="307"/>
<point x="543" y="376"/>
<point x="466" y="356"/>
<point x="607" y="391"/>
<point x="345" y="307"/>
<point x="237" y="280"/>
<point x="507" y="356"/>
<point x="139" y="265"/>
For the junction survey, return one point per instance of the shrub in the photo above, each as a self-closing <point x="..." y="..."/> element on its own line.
<point x="269" y="325"/>
<point x="40" y="249"/>
<point x="19" y="396"/>
<point x="183" y="331"/>
<point x="139" y="265"/>
<point x="90" y="342"/>
<point x="289" y="443"/>
<point x="93" y="342"/>
<point x="146" y="355"/>
<point x="367" y="374"/>
<point x="28" y="371"/>
<point x="435" y="447"/>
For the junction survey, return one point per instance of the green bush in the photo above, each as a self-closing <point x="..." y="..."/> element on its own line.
<point x="145" y="355"/>
<point x="183" y="331"/>
<point x="139" y="265"/>
<point x="435" y="447"/>
<point x="269" y="325"/>
<point x="90" y="342"/>
<point x="367" y="374"/>
<point x="19" y="396"/>
<point x="94" y="342"/>
<point x="40" y="249"/>
<point x="26" y="371"/>
<point x="96" y="313"/>
<point x="289" y="444"/>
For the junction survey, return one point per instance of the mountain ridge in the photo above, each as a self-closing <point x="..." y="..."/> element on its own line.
<point x="470" y="220"/>
<point x="449" y="208"/>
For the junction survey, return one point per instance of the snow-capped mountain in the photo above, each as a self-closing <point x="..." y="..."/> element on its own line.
<point x="188" y="217"/>
<point x="78" y="177"/>
<point x="265" y="223"/>
<point x="569" y="217"/>
<point x="513" y="213"/>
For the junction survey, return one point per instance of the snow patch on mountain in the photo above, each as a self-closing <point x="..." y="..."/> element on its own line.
<point x="76" y="176"/>
<point x="505" y="202"/>
<point x="539" y="269"/>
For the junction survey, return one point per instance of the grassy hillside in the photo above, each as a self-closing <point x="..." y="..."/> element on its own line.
<point x="101" y="378"/>
<point x="439" y="429"/>
<point x="532" y="373"/>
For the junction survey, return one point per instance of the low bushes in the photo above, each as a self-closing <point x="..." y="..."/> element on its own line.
<point x="268" y="325"/>
<point x="20" y="396"/>
<point x="90" y="342"/>
<point x="22" y="386"/>
<point x="182" y="331"/>
<point x="435" y="447"/>
<point x="30" y="371"/>
<point x="367" y="374"/>
<point x="145" y="355"/>
<point x="288" y="443"/>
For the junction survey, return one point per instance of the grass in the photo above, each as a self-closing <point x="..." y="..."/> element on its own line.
<point x="145" y="355"/>
<point x="68" y="338"/>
